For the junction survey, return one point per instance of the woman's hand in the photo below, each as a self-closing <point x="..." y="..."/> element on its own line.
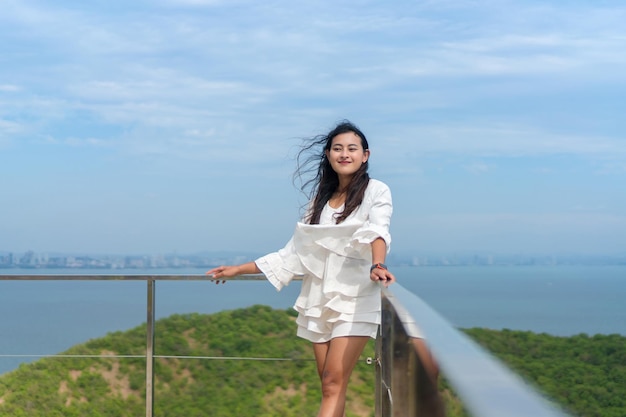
<point x="382" y="275"/>
<point x="232" y="271"/>
<point x="223" y="272"/>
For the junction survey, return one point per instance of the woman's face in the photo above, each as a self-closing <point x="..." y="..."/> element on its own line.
<point x="346" y="154"/>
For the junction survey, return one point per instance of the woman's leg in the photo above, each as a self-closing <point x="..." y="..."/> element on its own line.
<point x="335" y="361"/>
<point x="320" y="350"/>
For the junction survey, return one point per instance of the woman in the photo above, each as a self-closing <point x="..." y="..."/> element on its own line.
<point x="342" y="240"/>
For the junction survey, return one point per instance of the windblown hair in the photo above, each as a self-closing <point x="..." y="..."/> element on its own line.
<point x="324" y="180"/>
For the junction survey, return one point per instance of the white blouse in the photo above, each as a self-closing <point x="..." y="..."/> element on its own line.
<point x="334" y="260"/>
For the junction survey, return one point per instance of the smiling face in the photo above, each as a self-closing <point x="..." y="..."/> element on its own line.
<point x="346" y="155"/>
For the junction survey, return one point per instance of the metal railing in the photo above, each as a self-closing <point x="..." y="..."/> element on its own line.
<point x="411" y="336"/>
<point x="416" y="341"/>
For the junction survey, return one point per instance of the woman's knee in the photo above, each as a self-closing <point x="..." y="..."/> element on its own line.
<point x="333" y="382"/>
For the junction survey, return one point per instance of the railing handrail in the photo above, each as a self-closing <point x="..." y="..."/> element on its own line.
<point x="486" y="386"/>
<point x="126" y="277"/>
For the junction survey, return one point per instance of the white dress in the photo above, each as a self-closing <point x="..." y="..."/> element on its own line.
<point x="337" y="297"/>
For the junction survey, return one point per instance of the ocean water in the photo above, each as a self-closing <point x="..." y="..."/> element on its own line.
<point x="46" y="317"/>
<point x="559" y="300"/>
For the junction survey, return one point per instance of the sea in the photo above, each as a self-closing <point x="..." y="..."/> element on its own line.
<point x="48" y="317"/>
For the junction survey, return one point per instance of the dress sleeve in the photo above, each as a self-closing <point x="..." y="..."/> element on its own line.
<point x="282" y="266"/>
<point x="378" y="219"/>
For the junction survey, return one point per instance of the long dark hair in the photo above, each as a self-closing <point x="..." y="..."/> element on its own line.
<point x="324" y="180"/>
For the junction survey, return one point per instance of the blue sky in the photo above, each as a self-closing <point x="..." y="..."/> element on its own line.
<point x="171" y="125"/>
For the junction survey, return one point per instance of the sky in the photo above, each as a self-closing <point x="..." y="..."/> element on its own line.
<point x="171" y="126"/>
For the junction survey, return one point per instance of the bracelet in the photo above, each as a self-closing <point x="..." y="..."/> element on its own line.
<point x="378" y="266"/>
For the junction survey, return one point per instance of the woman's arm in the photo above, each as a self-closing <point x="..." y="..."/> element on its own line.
<point x="379" y="251"/>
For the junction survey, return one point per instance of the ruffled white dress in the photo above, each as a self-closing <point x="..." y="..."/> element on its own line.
<point x="337" y="297"/>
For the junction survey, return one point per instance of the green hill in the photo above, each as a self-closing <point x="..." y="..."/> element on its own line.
<point x="588" y="374"/>
<point x="186" y="387"/>
<point x="585" y="373"/>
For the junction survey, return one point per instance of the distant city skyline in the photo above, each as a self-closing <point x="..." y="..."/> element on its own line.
<point x="171" y="126"/>
<point x="33" y="260"/>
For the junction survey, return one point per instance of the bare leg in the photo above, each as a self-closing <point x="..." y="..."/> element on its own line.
<point x="320" y="350"/>
<point x="335" y="361"/>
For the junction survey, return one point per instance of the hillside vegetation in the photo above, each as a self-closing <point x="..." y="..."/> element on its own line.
<point x="586" y="373"/>
<point x="186" y="387"/>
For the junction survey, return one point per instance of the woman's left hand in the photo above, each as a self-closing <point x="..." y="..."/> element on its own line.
<point x="382" y="275"/>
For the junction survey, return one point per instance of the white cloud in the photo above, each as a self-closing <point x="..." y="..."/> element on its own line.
<point x="611" y="167"/>
<point x="173" y="74"/>
<point x="9" y="128"/>
<point x="194" y="2"/>
<point x="219" y="89"/>
<point x="8" y="88"/>
<point x="478" y="168"/>
<point x="557" y="232"/>
<point x="81" y="142"/>
<point x="505" y="141"/>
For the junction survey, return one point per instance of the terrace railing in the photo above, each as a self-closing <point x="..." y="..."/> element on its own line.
<point x="415" y="343"/>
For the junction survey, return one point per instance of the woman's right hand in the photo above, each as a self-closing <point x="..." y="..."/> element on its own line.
<point x="223" y="272"/>
<point x="232" y="271"/>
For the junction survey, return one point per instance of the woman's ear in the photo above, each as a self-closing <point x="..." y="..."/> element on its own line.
<point x="366" y="155"/>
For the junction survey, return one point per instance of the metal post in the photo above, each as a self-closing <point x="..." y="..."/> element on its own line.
<point x="406" y="383"/>
<point x="150" y="349"/>
<point x="378" y="392"/>
<point x="384" y="364"/>
<point x="403" y="371"/>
